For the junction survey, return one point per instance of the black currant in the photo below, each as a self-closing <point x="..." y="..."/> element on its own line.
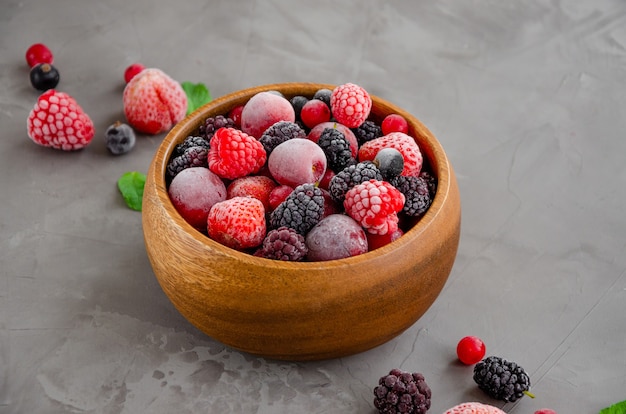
<point x="44" y="76"/>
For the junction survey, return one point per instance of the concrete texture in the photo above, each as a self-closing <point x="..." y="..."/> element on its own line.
<point x="528" y="100"/>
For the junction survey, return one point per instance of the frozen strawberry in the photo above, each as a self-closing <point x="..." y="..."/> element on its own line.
<point x="235" y="154"/>
<point x="238" y="223"/>
<point x="400" y="141"/>
<point x="57" y="121"/>
<point x="375" y="205"/>
<point x="154" y="102"/>
<point x="257" y="186"/>
<point x="350" y="104"/>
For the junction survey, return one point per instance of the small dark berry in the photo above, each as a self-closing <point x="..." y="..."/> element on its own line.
<point x="390" y="162"/>
<point x="323" y="95"/>
<point x="501" y="379"/>
<point x="301" y="210"/>
<point x="44" y="76"/>
<point x="119" y="138"/>
<point x="298" y="102"/>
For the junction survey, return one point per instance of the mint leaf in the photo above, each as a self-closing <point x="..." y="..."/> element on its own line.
<point x="617" y="408"/>
<point x="197" y="95"/>
<point x="131" y="186"/>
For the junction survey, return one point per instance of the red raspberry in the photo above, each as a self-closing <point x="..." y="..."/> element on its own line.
<point x="57" y="121"/>
<point x="235" y="154"/>
<point x="413" y="159"/>
<point x="154" y="102"/>
<point x="374" y="204"/>
<point x="238" y="223"/>
<point x="257" y="186"/>
<point x="350" y="104"/>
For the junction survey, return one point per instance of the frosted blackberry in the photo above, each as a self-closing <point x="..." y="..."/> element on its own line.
<point x="367" y="131"/>
<point x="212" y="124"/>
<point x="431" y="180"/>
<point x="189" y="142"/>
<point x="402" y="392"/>
<point x="280" y="132"/>
<point x="337" y="149"/>
<point x="416" y="194"/>
<point x="298" y="102"/>
<point x="192" y="157"/>
<point x="501" y="379"/>
<point x="301" y="210"/>
<point x="350" y="176"/>
<point x="323" y="95"/>
<point x="283" y="243"/>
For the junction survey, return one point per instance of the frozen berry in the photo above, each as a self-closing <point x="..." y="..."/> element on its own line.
<point x="190" y="141"/>
<point x="119" y="138"/>
<point x="213" y="123"/>
<point x="235" y="154"/>
<point x="390" y="162"/>
<point x="314" y="112"/>
<point x="394" y="123"/>
<point x="298" y="102"/>
<point x="38" y="53"/>
<point x="501" y="379"/>
<point x="195" y="156"/>
<point x="470" y="350"/>
<point x="44" y="76"/>
<point x="351" y="176"/>
<point x="374" y="204"/>
<point x="238" y="222"/>
<point x="132" y="70"/>
<point x="376" y="241"/>
<point x="336" y="236"/>
<point x="545" y="411"/>
<point x="57" y="121"/>
<point x="337" y="149"/>
<point x="323" y="95"/>
<point x="416" y="193"/>
<point x="235" y="115"/>
<point x="316" y="131"/>
<point x="280" y="132"/>
<point x="278" y="195"/>
<point x="367" y="131"/>
<point x="257" y="186"/>
<point x="350" y="104"/>
<point x="402" y="392"/>
<point x="474" y="408"/>
<point x="404" y="143"/>
<point x="297" y="161"/>
<point x="301" y="210"/>
<point x="283" y="243"/>
<point x="263" y="110"/>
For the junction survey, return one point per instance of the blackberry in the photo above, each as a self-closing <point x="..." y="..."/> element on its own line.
<point x="501" y="379"/>
<point x="298" y="102"/>
<point x="212" y="124"/>
<point x="416" y="193"/>
<point x="431" y="180"/>
<point x="323" y="95"/>
<point x="367" y="131"/>
<point x="283" y="243"/>
<point x="192" y="157"/>
<point x="351" y="176"/>
<point x="301" y="210"/>
<point x="190" y="142"/>
<point x="402" y="392"/>
<point x="337" y="149"/>
<point x="280" y="132"/>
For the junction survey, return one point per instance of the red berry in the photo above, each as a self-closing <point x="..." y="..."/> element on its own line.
<point x="133" y="70"/>
<point x="257" y="186"/>
<point x="38" y="53"/>
<point x="375" y="204"/>
<point x="314" y="112"/>
<point x="350" y="105"/>
<point x="278" y="195"/>
<point x="375" y="241"/>
<point x="238" y="222"/>
<point x="470" y="350"/>
<point x="394" y="123"/>
<point x="235" y="115"/>
<point x="404" y="143"/>
<point x="57" y="121"/>
<point x="235" y="154"/>
<point x="545" y="411"/>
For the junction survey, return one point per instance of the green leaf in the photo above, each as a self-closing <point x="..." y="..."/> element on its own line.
<point x="197" y="95"/>
<point x="617" y="408"/>
<point x="131" y="186"/>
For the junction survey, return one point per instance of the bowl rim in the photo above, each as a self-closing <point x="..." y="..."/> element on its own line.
<point x="439" y="164"/>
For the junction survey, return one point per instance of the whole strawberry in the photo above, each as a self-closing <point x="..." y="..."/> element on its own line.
<point x="375" y="204"/>
<point x="154" y="102"/>
<point x="57" y="121"/>
<point x="238" y="223"/>
<point x="400" y="141"/>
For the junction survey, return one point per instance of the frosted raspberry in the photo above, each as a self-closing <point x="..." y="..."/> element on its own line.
<point x="238" y="223"/>
<point x="375" y="205"/>
<point x="474" y="408"/>
<point x="57" y="121"/>
<point x="350" y="104"/>
<point x="235" y="154"/>
<point x="154" y="102"/>
<point x="404" y="143"/>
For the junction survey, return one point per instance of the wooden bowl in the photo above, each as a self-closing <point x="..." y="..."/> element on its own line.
<point x="300" y="310"/>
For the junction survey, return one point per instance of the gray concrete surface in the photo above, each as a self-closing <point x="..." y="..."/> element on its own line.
<point x="528" y="98"/>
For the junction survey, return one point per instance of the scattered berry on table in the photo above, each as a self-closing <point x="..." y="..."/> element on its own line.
<point x="44" y="76"/>
<point x="57" y="121"/>
<point x="416" y="193"/>
<point x="350" y="104"/>
<point x="367" y="131"/>
<point x="323" y="95"/>
<point x="235" y="154"/>
<point x="119" y="138"/>
<point x="256" y="186"/>
<point x="314" y="112"/>
<point x="394" y="123"/>
<point x="238" y="223"/>
<point x="470" y="350"/>
<point x="336" y="236"/>
<point x="297" y="161"/>
<point x="374" y="204"/>
<point x="38" y="53"/>
<point x="316" y="131"/>
<point x="474" y="408"/>
<point x="301" y="210"/>
<point x="280" y="132"/>
<point x="213" y="123"/>
<point x="501" y="379"/>
<point x="132" y="70"/>
<point x="351" y="176"/>
<point x="376" y="241"/>
<point x="390" y="162"/>
<point x="263" y="110"/>
<point x="235" y="115"/>
<point x="190" y="141"/>
<point x="402" y="392"/>
<point x="297" y="102"/>
<point x="191" y="157"/>
<point x="545" y="411"/>
<point x="283" y="243"/>
<point x="404" y="143"/>
<point x="337" y="149"/>
<point x="154" y="102"/>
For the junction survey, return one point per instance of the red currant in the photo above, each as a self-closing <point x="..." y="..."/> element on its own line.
<point x="470" y="350"/>
<point x="235" y="115"/>
<point x="394" y="123"/>
<point x="545" y="411"/>
<point x="133" y="70"/>
<point x="314" y="112"/>
<point x="38" y="53"/>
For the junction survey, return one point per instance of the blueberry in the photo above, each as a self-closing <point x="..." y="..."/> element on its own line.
<point x="390" y="162"/>
<point x="298" y="102"/>
<point x="44" y="76"/>
<point x="323" y="95"/>
<point x="119" y="138"/>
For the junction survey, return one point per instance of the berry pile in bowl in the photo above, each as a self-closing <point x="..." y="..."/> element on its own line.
<point x="301" y="221"/>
